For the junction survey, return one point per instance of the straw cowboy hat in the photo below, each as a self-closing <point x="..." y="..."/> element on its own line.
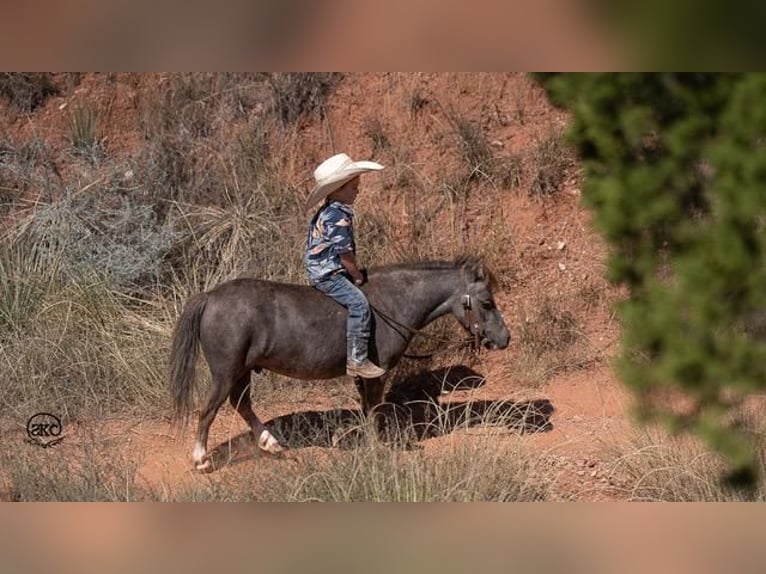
<point x="332" y="173"/>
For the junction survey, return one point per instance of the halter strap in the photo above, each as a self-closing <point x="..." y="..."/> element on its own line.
<point x="470" y="317"/>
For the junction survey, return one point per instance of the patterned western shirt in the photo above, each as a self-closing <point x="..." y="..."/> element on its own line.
<point x="331" y="233"/>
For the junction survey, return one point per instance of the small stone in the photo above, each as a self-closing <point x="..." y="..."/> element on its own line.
<point x="562" y="267"/>
<point x="561" y="245"/>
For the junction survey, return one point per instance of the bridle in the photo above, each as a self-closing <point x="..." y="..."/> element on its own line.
<point x="472" y="319"/>
<point x="469" y="316"/>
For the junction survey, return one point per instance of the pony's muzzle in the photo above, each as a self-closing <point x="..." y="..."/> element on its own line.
<point x="497" y="342"/>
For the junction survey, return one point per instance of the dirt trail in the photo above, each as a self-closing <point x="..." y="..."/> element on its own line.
<point x="585" y="416"/>
<point x="589" y="422"/>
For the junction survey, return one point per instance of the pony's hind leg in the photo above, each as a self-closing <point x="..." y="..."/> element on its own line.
<point x="219" y="389"/>
<point x="240" y="400"/>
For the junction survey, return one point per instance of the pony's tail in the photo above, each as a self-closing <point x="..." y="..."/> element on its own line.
<point x="183" y="357"/>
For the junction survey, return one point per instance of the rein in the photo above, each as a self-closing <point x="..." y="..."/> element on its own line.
<point x="470" y="316"/>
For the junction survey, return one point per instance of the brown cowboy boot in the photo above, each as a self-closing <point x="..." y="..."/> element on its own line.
<point x="357" y="363"/>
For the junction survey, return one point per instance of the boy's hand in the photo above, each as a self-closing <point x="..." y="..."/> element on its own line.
<point x="362" y="277"/>
<point x="349" y="262"/>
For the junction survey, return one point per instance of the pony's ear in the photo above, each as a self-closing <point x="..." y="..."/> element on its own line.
<point x="475" y="267"/>
<point x="481" y="271"/>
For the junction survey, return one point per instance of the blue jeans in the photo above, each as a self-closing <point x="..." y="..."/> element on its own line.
<point x="351" y="297"/>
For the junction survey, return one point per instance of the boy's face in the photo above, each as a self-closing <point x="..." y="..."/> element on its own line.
<point x="348" y="192"/>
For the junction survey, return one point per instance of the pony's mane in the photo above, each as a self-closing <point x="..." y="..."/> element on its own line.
<point x="472" y="264"/>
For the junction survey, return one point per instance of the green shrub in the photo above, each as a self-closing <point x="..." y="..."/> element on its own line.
<point x="93" y="234"/>
<point x="675" y="167"/>
<point x="83" y="132"/>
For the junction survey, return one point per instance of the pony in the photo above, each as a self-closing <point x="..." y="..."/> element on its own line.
<point x="246" y="325"/>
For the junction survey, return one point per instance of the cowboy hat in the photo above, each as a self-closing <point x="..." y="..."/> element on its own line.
<point x="332" y="173"/>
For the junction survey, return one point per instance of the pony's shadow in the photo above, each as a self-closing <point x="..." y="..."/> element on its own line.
<point x="413" y="410"/>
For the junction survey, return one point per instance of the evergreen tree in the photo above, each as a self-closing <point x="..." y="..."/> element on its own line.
<point x="675" y="172"/>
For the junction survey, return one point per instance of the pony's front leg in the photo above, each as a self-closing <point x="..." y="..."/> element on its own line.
<point x="371" y="395"/>
<point x="371" y="392"/>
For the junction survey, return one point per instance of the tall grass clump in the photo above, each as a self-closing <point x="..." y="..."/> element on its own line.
<point x="181" y="106"/>
<point x="77" y="336"/>
<point x="299" y="94"/>
<point x="463" y="473"/>
<point x="26" y="164"/>
<point x="550" y="163"/>
<point x="83" y="133"/>
<point x="506" y="172"/>
<point x="81" y="351"/>
<point x="377" y="135"/>
<point x="475" y="148"/>
<point x="677" y="469"/>
<point x="551" y="341"/>
<point x="255" y="233"/>
<point x="181" y="120"/>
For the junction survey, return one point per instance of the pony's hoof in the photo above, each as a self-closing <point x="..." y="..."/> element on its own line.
<point x="268" y="443"/>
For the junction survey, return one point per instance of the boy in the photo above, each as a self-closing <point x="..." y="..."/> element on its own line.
<point x="330" y="253"/>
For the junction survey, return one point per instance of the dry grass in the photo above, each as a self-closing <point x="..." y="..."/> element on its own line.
<point x="550" y="341"/>
<point x="360" y="468"/>
<point x="92" y="471"/>
<point x="83" y="133"/>
<point x="551" y="161"/>
<point x="297" y="94"/>
<point x="26" y="91"/>
<point x="81" y="350"/>
<point x="479" y="461"/>
<point x="658" y="468"/>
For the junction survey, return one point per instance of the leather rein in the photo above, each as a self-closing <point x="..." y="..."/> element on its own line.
<point x="470" y="316"/>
